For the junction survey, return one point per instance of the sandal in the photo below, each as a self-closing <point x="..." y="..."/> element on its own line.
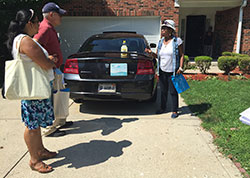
<point x="46" y="154"/>
<point x="40" y="167"/>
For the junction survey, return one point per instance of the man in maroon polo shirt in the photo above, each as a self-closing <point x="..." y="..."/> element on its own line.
<point x="47" y="35"/>
<point x="48" y="38"/>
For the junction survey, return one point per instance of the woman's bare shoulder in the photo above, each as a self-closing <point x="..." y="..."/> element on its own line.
<point x="28" y="45"/>
<point x="28" y="42"/>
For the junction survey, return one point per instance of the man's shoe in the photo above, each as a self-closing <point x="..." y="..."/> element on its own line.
<point x="48" y="130"/>
<point x="57" y="133"/>
<point x="160" y="111"/>
<point x="67" y="125"/>
<point x="174" y="115"/>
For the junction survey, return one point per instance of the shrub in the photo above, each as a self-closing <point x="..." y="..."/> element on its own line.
<point x="227" y="63"/>
<point x="239" y="59"/>
<point x="240" y="56"/>
<point x="185" y="63"/>
<point x="244" y="64"/>
<point x="191" y="66"/>
<point x="226" y="53"/>
<point x="203" y="63"/>
<point x="244" y="55"/>
<point x="236" y="55"/>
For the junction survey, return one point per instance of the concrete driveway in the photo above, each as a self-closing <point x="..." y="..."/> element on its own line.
<point x="117" y="140"/>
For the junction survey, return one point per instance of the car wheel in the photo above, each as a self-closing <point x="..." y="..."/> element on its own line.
<point x="154" y="98"/>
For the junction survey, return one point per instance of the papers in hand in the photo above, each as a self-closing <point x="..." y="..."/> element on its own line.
<point x="245" y="116"/>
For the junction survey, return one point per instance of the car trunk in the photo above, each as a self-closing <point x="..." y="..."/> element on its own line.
<point x="109" y="66"/>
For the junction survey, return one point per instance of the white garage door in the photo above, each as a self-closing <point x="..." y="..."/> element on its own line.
<point x="75" y="30"/>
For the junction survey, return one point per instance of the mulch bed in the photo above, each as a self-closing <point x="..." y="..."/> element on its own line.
<point x="235" y="74"/>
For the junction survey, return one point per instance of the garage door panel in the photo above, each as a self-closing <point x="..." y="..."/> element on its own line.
<point x="75" y="30"/>
<point x="147" y="26"/>
<point x="116" y="25"/>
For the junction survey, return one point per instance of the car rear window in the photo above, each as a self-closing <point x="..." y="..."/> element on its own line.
<point x="113" y="45"/>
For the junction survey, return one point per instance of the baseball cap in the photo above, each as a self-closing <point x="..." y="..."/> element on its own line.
<point x="168" y="23"/>
<point x="53" y="7"/>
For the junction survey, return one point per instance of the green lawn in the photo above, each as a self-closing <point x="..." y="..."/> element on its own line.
<point x="218" y="104"/>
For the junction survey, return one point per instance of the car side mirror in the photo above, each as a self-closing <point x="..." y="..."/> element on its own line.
<point x="152" y="45"/>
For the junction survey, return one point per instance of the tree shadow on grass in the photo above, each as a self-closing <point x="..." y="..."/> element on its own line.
<point x="92" y="153"/>
<point x="195" y="109"/>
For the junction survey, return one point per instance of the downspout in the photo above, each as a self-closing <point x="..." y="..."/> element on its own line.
<point x="243" y="4"/>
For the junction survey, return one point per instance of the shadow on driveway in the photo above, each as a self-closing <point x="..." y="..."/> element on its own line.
<point x="106" y="124"/>
<point x="118" y="108"/>
<point x="92" y="153"/>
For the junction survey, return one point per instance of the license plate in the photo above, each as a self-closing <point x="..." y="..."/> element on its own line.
<point x="118" y="69"/>
<point x="107" y="88"/>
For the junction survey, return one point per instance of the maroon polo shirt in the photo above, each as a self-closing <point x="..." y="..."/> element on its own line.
<point x="47" y="37"/>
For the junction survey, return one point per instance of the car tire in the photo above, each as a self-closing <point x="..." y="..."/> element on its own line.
<point x="154" y="98"/>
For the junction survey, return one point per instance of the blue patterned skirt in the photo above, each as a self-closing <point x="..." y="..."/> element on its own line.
<point x="37" y="113"/>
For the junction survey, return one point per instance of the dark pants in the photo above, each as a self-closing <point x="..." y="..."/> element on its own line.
<point x="166" y="85"/>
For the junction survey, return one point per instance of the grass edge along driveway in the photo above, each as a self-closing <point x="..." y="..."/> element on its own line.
<point x="218" y="104"/>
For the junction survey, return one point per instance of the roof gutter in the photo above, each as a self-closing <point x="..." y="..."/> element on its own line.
<point x="243" y="4"/>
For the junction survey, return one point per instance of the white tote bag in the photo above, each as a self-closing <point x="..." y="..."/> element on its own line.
<point x="25" y="80"/>
<point x="58" y="82"/>
<point x="61" y="103"/>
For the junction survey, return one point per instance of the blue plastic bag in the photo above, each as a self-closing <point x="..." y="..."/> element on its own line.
<point x="180" y="83"/>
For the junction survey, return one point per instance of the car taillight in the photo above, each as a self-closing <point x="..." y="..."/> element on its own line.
<point x="71" y="66"/>
<point x="145" y="67"/>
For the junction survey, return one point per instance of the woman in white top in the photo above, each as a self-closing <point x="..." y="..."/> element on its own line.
<point x="35" y="113"/>
<point x="165" y="54"/>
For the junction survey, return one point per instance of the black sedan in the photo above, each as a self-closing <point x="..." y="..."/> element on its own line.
<point x="103" y="70"/>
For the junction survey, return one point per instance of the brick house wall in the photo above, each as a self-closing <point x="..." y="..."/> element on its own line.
<point x="225" y="31"/>
<point x="163" y="8"/>
<point x="226" y="26"/>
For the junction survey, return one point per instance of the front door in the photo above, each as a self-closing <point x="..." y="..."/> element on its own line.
<point x="194" y="35"/>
